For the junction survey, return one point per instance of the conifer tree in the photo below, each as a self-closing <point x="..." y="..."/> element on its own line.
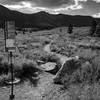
<point x="70" y="29"/>
<point x="98" y="30"/>
<point x="93" y="27"/>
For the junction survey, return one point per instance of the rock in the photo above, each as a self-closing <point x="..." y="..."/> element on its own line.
<point x="48" y="66"/>
<point x="15" y="81"/>
<point x="67" y="68"/>
<point x="39" y="62"/>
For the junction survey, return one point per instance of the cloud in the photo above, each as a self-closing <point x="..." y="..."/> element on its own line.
<point x="72" y="7"/>
<point x="52" y="3"/>
<point x="96" y="15"/>
<point x="44" y="3"/>
<point x="52" y="6"/>
<point x="40" y="3"/>
<point x="20" y="5"/>
<point x="97" y="1"/>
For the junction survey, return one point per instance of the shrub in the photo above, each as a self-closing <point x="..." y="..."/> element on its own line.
<point x="26" y="72"/>
<point x="46" y="42"/>
<point x="4" y="68"/>
<point x="89" y="72"/>
<point x="98" y="30"/>
<point x="93" y="27"/>
<point x="54" y="48"/>
<point x="70" y="28"/>
<point x="4" y="78"/>
<point x="1" y="58"/>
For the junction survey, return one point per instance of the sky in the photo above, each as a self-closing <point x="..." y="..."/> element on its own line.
<point x="71" y="7"/>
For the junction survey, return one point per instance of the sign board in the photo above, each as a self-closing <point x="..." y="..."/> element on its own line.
<point x="10" y="44"/>
<point x="10" y="27"/>
<point x="10" y="35"/>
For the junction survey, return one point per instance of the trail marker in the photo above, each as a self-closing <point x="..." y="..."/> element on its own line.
<point x="9" y="35"/>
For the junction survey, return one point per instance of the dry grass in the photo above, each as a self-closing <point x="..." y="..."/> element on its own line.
<point x="68" y="45"/>
<point x="82" y="83"/>
<point x="4" y="78"/>
<point x="24" y="72"/>
<point x="85" y="72"/>
<point x="87" y="92"/>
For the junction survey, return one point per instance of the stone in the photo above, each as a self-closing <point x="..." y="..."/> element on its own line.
<point x="48" y="66"/>
<point x="67" y="68"/>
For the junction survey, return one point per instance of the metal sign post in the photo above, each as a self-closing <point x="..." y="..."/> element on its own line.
<point x="12" y="78"/>
<point x="10" y="48"/>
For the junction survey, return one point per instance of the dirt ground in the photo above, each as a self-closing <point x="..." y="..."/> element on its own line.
<point x="45" y="90"/>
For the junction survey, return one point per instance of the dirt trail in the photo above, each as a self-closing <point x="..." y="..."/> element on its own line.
<point x="47" y="48"/>
<point x="44" y="86"/>
<point x="45" y="90"/>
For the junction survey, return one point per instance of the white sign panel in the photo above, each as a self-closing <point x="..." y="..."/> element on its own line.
<point x="10" y="43"/>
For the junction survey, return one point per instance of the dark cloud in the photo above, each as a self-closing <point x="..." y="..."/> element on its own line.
<point x="53" y="6"/>
<point x="78" y="7"/>
<point x="41" y="3"/>
<point x="51" y="3"/>
<point x="9" y="2"/>
<point x="92" y="6"/>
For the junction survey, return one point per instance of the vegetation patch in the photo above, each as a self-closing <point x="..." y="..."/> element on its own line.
<point x="24" y="72"/>
<point x="85" y="71"/>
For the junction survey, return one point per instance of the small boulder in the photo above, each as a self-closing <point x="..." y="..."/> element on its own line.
<point x="48" y="66"/>
<point x="39" y="62"/>
<point x="68" y="68"/>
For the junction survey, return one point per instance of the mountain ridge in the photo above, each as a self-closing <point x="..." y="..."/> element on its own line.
<point x="43" y="20"/>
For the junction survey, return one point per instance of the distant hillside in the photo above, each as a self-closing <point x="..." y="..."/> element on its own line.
<point x="43" y="20"/>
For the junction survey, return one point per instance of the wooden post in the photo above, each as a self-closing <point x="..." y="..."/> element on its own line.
<point x="11" y="67"/>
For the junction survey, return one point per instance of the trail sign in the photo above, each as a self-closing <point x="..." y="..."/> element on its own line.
<point x="10" y="44"/>
<point x="10" y="35"/>
<point x="10" y="29"/>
